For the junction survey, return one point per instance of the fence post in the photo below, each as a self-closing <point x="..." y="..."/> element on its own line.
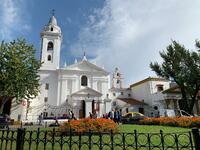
<point x="20" y="138"/>
<point x="90" y="140"/>
<point x="111" y="139"/>
<point x="70" y="138"/>
<point x="196" y="138"/>
<point x="136" y="139"/>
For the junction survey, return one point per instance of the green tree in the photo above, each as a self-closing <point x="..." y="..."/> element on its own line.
<point x="182" y="66"/>
<point x="19" y="77"/>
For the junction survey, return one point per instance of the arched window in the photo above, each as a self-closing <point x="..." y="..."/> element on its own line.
<point x="50" y="46"/>
<point x="51" y="28"/>
<point x="118" y="81"/>
<point x="84" y="81"/>
<point x="49" y="58"/>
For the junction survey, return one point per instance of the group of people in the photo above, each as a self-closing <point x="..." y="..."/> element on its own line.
<point x="69" y="116"/>
<point x="114" y="115"/>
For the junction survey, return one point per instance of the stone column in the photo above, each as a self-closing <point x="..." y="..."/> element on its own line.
<point x="101" y="108"/>
<point x="175" y="103"/>
<point x="63" y="91"/>
<point x="88" y="107"/>
<point x="167" y="101"/>
<point x="107" y="106"/>
<point x="58" y="91"/>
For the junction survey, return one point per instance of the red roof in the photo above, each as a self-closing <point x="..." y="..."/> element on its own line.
<point x="132" y="101"/>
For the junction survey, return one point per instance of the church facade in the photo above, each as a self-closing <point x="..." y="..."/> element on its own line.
<point x="81" y="87"/>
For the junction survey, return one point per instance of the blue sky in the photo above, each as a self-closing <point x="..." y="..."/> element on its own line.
<point x="29" y="18"/>
<point x="114" y="33"/>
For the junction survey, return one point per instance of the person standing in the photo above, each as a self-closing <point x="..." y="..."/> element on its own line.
<point x="111" y="115"/>
<point x="94" y="115"/>
<point x="70" y="115"/>
<point x="116" y="116"/>
<point x="90" y="114"/>
<point x="56" y="121"/>
<point x="40" y="118"/>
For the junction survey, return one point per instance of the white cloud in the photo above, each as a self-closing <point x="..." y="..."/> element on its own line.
<point x="12" y="18"/>
<point x="129" y="33"/>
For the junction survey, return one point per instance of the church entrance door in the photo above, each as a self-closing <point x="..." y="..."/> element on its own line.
<point x="93" y="106"/>
<point x="82" y="110"/>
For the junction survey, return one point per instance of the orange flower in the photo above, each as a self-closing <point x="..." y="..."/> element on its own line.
<point x="94" y="125"/>
<point x="173" y="121"/>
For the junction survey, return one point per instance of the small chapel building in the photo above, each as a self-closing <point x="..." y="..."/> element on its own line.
<point x="81" y="87"/>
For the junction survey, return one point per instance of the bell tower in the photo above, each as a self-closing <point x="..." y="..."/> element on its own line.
<point x="117" y="79"/>
<point x="51" y="38"/>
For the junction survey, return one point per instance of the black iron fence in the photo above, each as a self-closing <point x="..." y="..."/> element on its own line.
<point x="41" y="139"/>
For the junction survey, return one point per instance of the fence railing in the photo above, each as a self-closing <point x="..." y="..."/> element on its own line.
<point x="41" y="139"/>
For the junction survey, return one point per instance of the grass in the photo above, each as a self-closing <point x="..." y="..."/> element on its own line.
<point x="146" y="136"/>
<point x="151" y="129"/>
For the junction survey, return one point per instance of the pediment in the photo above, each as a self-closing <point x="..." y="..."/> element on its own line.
<point x="86" y="66"/>
<point x="86" y="92"/>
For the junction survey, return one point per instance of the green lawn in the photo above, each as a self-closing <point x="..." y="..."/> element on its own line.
<point x="147" y="136"/>
<point x="151" y="129"/>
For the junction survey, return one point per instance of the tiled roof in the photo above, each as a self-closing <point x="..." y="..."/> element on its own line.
<point x="132" y="101"/>
<point x="148" y="79"/>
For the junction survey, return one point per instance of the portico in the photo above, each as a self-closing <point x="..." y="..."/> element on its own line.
<point x="87" y="100"/>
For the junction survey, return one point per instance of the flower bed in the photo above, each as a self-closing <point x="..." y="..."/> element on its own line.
<point x="87" y="124"/>
<point x="186" y="122"/>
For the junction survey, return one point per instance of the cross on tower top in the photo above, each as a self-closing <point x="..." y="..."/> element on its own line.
<point x="53" y="12"/>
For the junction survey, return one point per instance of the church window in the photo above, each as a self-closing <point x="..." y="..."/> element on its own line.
<point x="122" y="93"/>
<point x="50" y="46"/>
<point x="49" y="58"/>
<point x="46" y="86"/>
<point x="159" y="87"/>
<point x="118" y="74"/>
<point x="118" y="81"/>
<point x="45" y="114"/>
<point x="84" y="81"/>
<point x="46" y="99"/>
<point x="107" y="95"/>
<point x="51" y="28"/>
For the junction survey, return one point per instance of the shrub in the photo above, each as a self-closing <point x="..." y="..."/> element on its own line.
<point x="86" y="124"/>
<point x="186" y="122"/>
<point x="150" y="121"/>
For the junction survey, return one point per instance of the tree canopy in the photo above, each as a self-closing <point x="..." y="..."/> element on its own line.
<point x="182" y="66"/>
<point x="19" y="77"/>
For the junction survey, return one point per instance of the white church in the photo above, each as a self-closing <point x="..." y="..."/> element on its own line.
<point x="81" y="87"/>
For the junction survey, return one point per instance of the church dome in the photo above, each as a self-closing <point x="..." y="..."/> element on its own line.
<point x="53" y="21"/>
